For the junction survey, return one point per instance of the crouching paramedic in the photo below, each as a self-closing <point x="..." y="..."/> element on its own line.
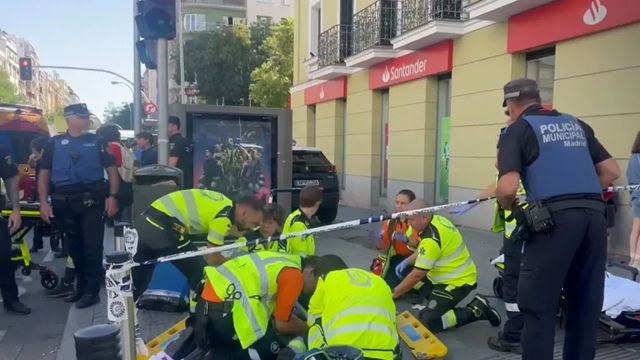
<point x="175" y="221"/>
<point x="449" y="274"/>
<point x="239" y="298"/>
<point x="352" y="307"/>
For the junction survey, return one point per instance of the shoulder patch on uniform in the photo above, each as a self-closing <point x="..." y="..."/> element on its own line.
<point x="8" y="160"/>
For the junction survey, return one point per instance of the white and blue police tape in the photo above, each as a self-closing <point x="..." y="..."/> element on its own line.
<point x="234" y="244"/>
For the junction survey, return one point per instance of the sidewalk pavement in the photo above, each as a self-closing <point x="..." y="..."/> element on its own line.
<point x="356" y="248"/>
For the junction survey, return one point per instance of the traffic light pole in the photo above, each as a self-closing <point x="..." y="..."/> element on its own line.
<point x="137" y="88"/>
<point x="163" y="103"/>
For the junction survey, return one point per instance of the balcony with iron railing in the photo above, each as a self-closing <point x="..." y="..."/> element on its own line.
<point x="373" y="29"/>
<point x="216" y="3"/>
<point x="500" y="10"/>
<point x="427" y="22"/>
<point x="334" y="45"/>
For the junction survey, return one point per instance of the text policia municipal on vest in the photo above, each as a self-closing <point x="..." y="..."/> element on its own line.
<point x="570" y="133"/>
<point x="406" y="70"/>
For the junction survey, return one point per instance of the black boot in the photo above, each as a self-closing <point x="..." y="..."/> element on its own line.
<point x="77" y="295"/>
<point x="87" y="300"/>
<point x="482" y="310"/>
<point x="15" y="306"/>
<point x="499" y="343"/>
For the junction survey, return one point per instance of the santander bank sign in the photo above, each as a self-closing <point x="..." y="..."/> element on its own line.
<point x="436" y="59"/>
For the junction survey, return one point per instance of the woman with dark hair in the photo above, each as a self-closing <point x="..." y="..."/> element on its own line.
<point x="396" y="244"/>
<point x="633" y="178"/>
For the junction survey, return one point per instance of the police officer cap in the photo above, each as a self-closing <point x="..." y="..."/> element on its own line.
<point x="79" y="110"/>
<point x="520" y="89"/>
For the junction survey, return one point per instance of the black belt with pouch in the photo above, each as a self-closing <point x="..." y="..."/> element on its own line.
<point x="539" y="217"/>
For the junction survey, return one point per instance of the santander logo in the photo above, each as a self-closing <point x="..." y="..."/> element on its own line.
<point x="386" y="75"/>
<point x="404" y="71"/>
<point x="322" y="93"/>
<point x="595" y="14"/>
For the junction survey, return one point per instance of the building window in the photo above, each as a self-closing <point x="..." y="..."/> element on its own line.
<point x="287" y="2"/>
<point x="315" y="26"/>
<point x="195" y="22"/>
<point x="264" y="19"/>
<point x="541" y="67"/>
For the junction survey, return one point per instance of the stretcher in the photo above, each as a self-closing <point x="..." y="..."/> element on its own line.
<point x="424" y="345"/>
<point x="20" y="254"/>
<point x="158" y="344"/>
<point x="626" y="326"/>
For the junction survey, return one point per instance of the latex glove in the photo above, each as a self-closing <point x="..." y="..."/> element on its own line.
<point x="463" y="209"/>
<point x="401" y="269"/>
<point x="400" y="236"/>
<point x="377" y="265"/>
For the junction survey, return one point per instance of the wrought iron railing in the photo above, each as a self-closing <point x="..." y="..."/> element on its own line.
<point x="334" y="45"/>
<point x="376" y="25"/>
<point x="242" y="3"/>
<point x="416" y="13"/>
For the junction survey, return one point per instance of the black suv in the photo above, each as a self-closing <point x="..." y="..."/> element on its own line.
<point x="311" y="167"/>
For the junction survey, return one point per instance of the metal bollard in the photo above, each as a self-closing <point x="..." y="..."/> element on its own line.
<point x="98" y="342"/>
<point x="128" y="326"/>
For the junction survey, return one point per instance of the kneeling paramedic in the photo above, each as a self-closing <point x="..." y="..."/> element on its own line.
<point x="352" y="307"/>
<point x="445" y="265"/>
<point x="239" y="299"/>
<point x="175" y="221"/>
<point x="74" y="164"/>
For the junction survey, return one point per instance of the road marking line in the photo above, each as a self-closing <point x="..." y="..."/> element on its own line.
<point x="48" y="258"/>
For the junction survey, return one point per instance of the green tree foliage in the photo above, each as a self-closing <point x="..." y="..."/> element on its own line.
<point x="272" y="80"/>
<point x="222" y="61"/>
<point x="8" y="92"/>
<point x="120" y="115"/>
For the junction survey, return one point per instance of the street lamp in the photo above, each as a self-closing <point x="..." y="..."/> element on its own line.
<point x="132" y="93"/>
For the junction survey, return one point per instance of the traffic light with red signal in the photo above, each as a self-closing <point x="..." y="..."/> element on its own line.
<point x="156" y="19"/>
<point x="26" y="69"/>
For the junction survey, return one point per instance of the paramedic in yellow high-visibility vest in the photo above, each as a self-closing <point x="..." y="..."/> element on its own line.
<point x="301" y="220"/>
<point x="352" y="307"/>
<point x="175" y="221"/>
<point x="241" y="297"/>
<point x="449" y="274"/>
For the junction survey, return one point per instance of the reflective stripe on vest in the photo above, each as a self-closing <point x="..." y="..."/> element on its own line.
<point x="468" y="265"/>
<point x="195" y="208"/>
<point x="564" y="165"/>
<point x="358" y="310"/>
<point x="252" y="312"/>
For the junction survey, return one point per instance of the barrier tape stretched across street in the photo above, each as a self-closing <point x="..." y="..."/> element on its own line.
<point x="118" y="283"/>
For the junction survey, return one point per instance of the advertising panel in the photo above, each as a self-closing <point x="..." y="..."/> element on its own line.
<point x="235" y="155"/>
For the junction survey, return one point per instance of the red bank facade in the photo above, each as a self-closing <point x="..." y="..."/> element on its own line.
<point x="418" y="104"/>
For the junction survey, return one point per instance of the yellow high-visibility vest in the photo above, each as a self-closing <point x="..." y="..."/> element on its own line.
<point x="254" y="277"/>
<point x="353" y="307"/>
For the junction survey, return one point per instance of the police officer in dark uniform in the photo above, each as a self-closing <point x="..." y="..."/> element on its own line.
<point x="74" y="163"/>
<point x="563" y="168"/>
<point x="8" y="287"/>
<point x="180" y="152"/>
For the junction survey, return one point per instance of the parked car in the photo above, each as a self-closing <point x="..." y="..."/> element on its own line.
<point x="311" y="167"/>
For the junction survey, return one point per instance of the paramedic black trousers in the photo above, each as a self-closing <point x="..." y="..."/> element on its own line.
<point x="512" y="250"/>
<point x="8" y="286"/>
<point x="572" y="255"/>
<point x="192" y="268"/>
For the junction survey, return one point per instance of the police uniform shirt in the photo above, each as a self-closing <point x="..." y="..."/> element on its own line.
<point x="518" y="146"/>
<point x="180" y="147"/>
<point x="106" y="157"/>
<point x="7" y="167"/>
